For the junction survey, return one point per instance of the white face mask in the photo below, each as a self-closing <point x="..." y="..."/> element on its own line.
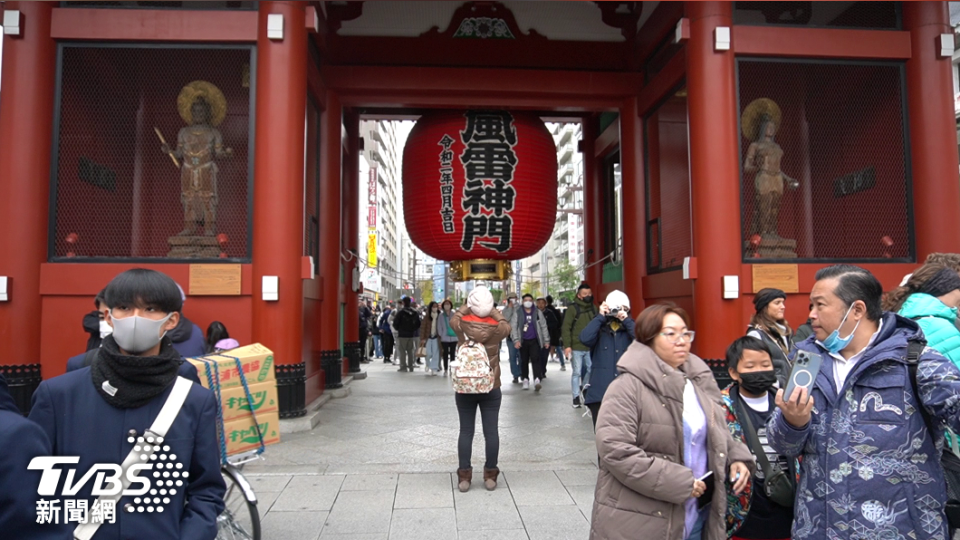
<point x="137" y="335"/>
<point x="528" y="304"/>
<point x="105" y="329"/>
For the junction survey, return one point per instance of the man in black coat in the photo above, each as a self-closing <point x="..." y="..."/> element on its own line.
<point x="23" y="441"/>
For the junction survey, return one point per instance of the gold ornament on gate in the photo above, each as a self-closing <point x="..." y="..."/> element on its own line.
<point x="210" y="93"/>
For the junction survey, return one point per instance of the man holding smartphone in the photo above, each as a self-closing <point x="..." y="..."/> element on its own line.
<point x="868" y="462"/>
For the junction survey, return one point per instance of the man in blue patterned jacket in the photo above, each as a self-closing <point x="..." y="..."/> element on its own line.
<point x="869" y="468"/>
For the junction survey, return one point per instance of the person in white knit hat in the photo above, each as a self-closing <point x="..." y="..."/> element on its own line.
<point x="608" y="335"/>
<point x="480" y="322"/>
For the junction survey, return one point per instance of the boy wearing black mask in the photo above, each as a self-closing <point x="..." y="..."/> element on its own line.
<point x="757" y="514"/>
<point x="102" y="414"/>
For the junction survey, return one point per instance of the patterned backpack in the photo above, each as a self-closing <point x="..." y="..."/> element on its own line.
<point x="471" y="370"/>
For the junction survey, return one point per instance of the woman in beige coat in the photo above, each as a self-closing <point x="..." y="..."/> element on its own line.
<point x="660" y="429"/>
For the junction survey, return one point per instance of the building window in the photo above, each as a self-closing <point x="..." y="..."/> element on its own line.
<point x="613" y="227"/>
<point x="669" y="237"/>
<point x="115" y="193"/>
<point x="824" y="161"/>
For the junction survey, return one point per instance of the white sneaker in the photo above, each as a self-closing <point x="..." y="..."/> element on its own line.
<point x="526" y="384"/>
<point x="536" y="384"/>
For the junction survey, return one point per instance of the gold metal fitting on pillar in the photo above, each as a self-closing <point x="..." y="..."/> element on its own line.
<point x="480" y="269"/>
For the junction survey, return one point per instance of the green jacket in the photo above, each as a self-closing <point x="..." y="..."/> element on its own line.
<point x="572" y="325"/>
<point x="937" y="322"/>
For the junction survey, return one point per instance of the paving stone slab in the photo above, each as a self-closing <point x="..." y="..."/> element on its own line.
<point x="423" y="524"/>
<point x="537" y="488"/>
<point x="361" y="512"/>
<point x="424" y="491"/>
<point x="369" y="482"/>
<point x="309" y="493"/>
<point x="293" y="525"/>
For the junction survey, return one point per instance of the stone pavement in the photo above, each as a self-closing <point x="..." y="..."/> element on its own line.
<point x="381" y="465"/>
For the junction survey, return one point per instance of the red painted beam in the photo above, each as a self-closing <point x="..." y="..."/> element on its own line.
<point x="662" y="22"/>
<point x="154" y="25"/>
<point x="458" y="87"/>
<point x="820" y="42"/>
<point x="87" y="279"/>
<point x="475" y="53"/>
<point x="663" y="84"/>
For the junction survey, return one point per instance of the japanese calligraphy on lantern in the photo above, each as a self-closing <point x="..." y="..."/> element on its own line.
<point x="489" y="162"/>
<point x="446" y="183"/>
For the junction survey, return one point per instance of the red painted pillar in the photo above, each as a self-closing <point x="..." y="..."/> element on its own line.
<point x="278" y="195"/>
<point x="26" y="132"/>
<point x="351" y="233"/>
<point x="933" y="134"/>
<point x="634" y="204"/>
<point x="331" y="205"/>
<point x="715" y="177"/>
<point x="592" y="204"/>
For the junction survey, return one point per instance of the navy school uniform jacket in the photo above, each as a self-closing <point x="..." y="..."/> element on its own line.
<point x="79" y="422"/>
<point x="187" y="370"/>
<point x="20" y="441"/>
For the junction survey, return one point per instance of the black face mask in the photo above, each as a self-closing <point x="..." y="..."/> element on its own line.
<point x="758" y="382"/>
<point x="588" y="299"/>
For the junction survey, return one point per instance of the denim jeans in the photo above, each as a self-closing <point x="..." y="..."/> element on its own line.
<point x="560" y="355"/>
<point x="514" y="354"/>
<point x="697" y="532"/>
<point x="377" y="347"/>
<point x="580" y="359"/>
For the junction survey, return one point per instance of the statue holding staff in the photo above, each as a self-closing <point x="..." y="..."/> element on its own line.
<point x="199" y="145"/>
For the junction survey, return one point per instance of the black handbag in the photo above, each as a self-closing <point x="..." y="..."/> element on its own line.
<point x="779" y="486"/>
<point x="948" y="460"/>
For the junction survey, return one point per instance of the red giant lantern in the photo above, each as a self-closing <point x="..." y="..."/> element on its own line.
<point x="480" y="189"/>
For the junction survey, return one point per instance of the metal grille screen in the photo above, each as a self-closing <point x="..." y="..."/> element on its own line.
<point x="875" y="15"/>
<point x="823" y="161"/>
<point x="117" y="192"/>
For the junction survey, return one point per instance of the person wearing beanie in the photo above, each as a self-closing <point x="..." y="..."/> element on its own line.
<point x="480" y="322"/>
<point x="608" y="335"/>
<point x="931" y="297"/>
<point x="769" y="325"/>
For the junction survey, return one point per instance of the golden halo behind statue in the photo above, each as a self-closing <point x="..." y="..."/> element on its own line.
<point x="209" y="92"/>
<point x="754" y="114"/>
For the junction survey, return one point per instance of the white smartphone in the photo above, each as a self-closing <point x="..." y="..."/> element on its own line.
<point x="704" y="477"/>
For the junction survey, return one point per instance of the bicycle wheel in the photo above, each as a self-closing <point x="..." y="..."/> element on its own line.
<point x="240" y="519"/>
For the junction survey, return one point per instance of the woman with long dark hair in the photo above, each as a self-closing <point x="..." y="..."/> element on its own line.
<point x="769" y="325"/>
<point x="448" y="338"/>
<point x="430" y="339"/>
<point x="216" y="332"/>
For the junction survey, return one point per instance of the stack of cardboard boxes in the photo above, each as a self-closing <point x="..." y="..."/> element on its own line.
<point x="239" y="430"/>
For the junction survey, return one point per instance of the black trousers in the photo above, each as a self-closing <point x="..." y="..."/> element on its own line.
<point x="530" y="354"/>
<point x="363" y="343"/>
<point x="387" y="338"/>
<point x="448" y="352"/>
<point x="489" y="405"/>
<point x="594" y="411"/>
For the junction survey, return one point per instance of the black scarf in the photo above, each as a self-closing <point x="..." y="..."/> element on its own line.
<point x="138" y="379"/>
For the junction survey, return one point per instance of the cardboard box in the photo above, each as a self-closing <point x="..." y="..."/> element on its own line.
<point x="256" y="360"/>
<point x="234" y="400"/>
<point x="241" y="434"/>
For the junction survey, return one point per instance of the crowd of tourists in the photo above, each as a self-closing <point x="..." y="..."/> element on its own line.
<point x="842" y="428"/>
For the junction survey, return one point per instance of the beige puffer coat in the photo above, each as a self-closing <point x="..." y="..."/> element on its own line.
<point x="489" y="331"/>
<point x="643" y="482"/>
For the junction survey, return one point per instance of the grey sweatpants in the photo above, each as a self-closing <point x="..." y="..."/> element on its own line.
<point x="407" y="352"/>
